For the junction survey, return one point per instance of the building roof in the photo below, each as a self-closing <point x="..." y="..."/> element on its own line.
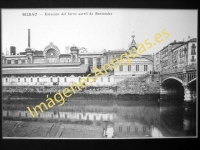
<point x="22" y="53"/>
<point x="69" y="64"/>
<point x="119" y="51"/>
<point x="83" y="68"/>
<point x="64" y="55"/>
<point x="14" y="56"/>
<point x="38" y="53"/>
<point x="92" y="53"/>
<point x="150" y="57"/>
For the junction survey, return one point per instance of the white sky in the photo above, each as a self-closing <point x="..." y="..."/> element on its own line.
<point x="95" y="32"/>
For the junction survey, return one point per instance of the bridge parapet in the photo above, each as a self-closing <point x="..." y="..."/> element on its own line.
<point x="181" y="69"/>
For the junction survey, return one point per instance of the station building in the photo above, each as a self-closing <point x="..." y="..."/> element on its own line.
<point x="50" y="67"/>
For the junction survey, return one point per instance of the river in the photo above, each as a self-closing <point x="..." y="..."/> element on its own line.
<point x="140" y="118"/>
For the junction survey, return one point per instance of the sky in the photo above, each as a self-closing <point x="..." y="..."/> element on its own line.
<point x="95" y="32"/>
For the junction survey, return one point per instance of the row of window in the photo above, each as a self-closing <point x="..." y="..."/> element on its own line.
<point x="137" y="68"/>
<point x="58" y="79"/>
<point x="90" y="61"/>
<point x="16" y="61"/>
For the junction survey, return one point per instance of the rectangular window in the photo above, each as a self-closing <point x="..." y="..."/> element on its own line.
<point x="101" y="79"/>
<point x="6" y="80"/>
<point x="145" y="68"/>
<point x="65" y="79"/>
<point x="23" y="61"/>
<point x="58" y="80"/>
<point x="137" y="67"/>
<point x="108" y="79"/>
<point x="37" y="79"/>
<point x="8" y="61"/>
<point x="121" y="68"/>
<point x="51" y="79"/>
<point x="82" y="60"/>
<point x="90" y="61"/>
<point x="18" y="79"/>
<point x="24" y="79"/>
<point x="31" y="79"/>
<point x="99" y="63"/>
<point x="129" y="67"/>
<point x="16" y="61"/>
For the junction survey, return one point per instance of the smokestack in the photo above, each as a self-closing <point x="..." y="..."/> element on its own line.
<point x="29" y="38"/>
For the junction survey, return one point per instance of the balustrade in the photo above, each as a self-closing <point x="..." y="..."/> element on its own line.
<point x="180" y="69"/>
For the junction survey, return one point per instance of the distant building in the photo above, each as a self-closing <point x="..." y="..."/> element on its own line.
<point x="50" y="67"/>
<point x="176" y="55"/>
<point x="12" y="50"/>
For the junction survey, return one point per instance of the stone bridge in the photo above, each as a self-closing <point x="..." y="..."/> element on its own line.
<point x="179" y="80"/>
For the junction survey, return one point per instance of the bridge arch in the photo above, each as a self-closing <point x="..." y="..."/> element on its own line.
<point x="192" y="80"/>
<point x="173" y="78"/>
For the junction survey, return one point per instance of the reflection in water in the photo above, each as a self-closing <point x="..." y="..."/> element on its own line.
<point x="121" y="119"/>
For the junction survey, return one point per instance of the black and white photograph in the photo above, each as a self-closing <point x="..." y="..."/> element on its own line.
<point x="99" y="73"/>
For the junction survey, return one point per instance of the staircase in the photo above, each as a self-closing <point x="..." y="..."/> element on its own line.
<point x="132" y="85"/>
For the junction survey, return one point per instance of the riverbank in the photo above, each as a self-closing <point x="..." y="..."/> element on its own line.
<point x="39" y="129"/>
<point x="84" y="96"/>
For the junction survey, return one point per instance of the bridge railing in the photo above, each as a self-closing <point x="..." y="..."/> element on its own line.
<point x="180" y="69"/>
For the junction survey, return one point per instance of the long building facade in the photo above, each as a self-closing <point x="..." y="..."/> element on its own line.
<point x="176" y="55"/>
<point x="50" y="67"/>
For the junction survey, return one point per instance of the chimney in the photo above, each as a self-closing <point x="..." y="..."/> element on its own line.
<point x="29" y="38"/>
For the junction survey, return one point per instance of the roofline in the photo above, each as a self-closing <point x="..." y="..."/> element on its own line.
<point x="14" y="55"/>
<point x="42" y="65"/>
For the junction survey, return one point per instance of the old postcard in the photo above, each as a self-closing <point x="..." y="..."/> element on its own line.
<point x="99" y="73"/>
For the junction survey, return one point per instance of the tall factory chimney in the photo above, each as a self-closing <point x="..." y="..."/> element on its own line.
<point x="29" y="38"/>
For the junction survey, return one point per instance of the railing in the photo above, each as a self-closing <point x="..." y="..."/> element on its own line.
<point x="181" y="69"/>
